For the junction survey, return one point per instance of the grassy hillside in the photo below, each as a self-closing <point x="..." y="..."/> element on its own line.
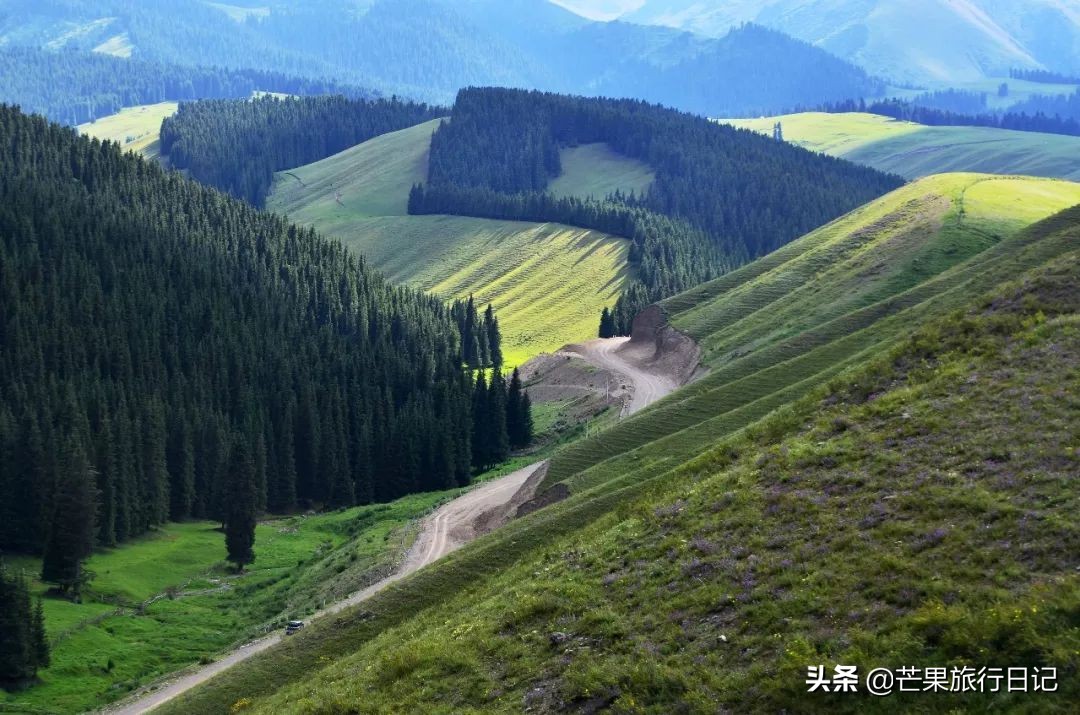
<point x="875" y="524"/>
<point x="775" y="328"/>
<point x="903" y="261"/>
<point x="548" y="282"/>
<point x="135" y="128"/>
<point x="371" y="179"/>
<point x="596" y="170"/>
<point x="915" y="509"/>
<point x="913" y="150"/>
<point x="117" y="46"/>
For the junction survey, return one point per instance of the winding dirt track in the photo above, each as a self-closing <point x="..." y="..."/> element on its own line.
<point x="619" y="355"/>
<point x="449" y="527"/>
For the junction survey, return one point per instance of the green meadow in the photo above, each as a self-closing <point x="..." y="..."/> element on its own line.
<point x="596" y="170"/>
<point x="913" y="150"/>
<point x="169" y="600"/>
<point x="136" y="129"/>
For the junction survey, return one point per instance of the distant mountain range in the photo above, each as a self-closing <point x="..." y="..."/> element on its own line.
<point x="907" y="40"/>
<point x="429" y="49"/>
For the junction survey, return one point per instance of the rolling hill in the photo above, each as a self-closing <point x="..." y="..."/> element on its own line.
<point x="690" y="505"/>
<point x="914" y="150"/>
<point x="771" y="331"/>
<point x="844" y="530"/>
<point x="908" y="40"/>
<point x="549" y="282"/>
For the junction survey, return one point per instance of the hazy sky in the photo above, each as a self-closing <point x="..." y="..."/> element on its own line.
<point x="600" y="9"/>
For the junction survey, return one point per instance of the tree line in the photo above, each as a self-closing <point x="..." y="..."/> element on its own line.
<point x="1063" y="108"/>
<point x="1043" y="76"/>
<point x="73" y="87"/>
<point x="237" y="145"/>
<point x="721" y="196"/>
<point x="173" y="353"/>
<point x="23" y="645"/>
<point x="1027" y="116"/>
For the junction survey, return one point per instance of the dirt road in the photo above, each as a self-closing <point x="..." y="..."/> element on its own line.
<point x="619" y="355"/>
<point x="447" y="528"/>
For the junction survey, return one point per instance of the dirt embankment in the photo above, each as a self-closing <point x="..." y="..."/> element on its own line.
<point x="672" y="353"/>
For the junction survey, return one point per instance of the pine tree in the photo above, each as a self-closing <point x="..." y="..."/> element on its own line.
<point x="526" y="420"/>
<point x="518" y="421"/>
<point x="607" y="324"/>
<point x="494" y="339"/>
<point x="481" y="437"/>
<point x="71" y="532"/>
<point x="499" y="441"/>
<point x="240" y="506"/>
<point x="40" y="638"/>
<point x="181" y="463"/>
<point x="23" y="646"/>
<point x="14" y="646"/>
<point x="469" y="344"/>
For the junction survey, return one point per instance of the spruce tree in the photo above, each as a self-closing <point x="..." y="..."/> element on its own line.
<point x="499" y="441"/>
<point x="469" y="343"/>
<point x="15" y="647"/>
<point x="607" y="324"/>
<point x="240" y="506"/>
<point x="23" y="647"/>
<point x="494" y="339"/>
<point x="71" y="532"/>
<point x="526" y="420"/>
<point x="40" y="638"/>
<point x="515" y="413"/>
<point x="181" y="463"/>
<point x="481" y="437"/>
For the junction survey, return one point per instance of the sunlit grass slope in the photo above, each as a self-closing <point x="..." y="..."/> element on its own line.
<point x="136" y="129"/>
<point x="370" y="179"/>
<point x="913" y="150"/>
<point x="596" y="170"/>
<point x="548" y="282"/>
<point x="915" y="509"/>
<point x="775" y="328"/>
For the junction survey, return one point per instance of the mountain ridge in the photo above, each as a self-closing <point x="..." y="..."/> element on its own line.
<point x="938" y="40"/>
<point x="429" y="49"/>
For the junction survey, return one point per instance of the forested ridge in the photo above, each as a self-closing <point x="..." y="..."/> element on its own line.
<point x="237" y="145"/>
<point x="73" y="87"/>
<point x="151" y="325"/>
<point x="721" y="196"/>
<point x="1041" y="113"/>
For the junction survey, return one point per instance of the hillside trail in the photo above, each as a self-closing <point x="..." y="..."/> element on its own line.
<point x="633" y="362"/>
<point x="449" y="527"/>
